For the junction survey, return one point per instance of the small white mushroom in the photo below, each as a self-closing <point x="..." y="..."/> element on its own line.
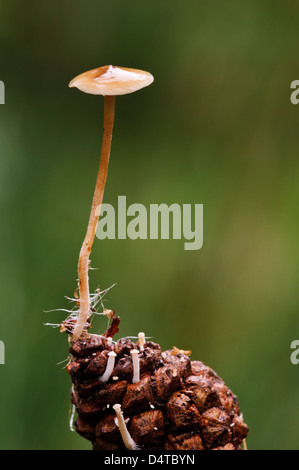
<point x="136" y="367"/>
<point x="121" y="423"/>
<point x="141" y="341"/>
<point x="109" y="341"/>
<point x="72" y="418"/>
<point x="109" y="367"/>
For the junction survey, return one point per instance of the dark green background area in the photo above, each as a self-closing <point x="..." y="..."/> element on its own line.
<point x="217" y="128"/>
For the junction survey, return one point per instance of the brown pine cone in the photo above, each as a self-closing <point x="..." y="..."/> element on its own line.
<point x="175" y="404"/>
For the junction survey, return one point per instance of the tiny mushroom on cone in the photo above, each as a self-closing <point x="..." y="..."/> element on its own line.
<point x="121" y="423"/>
<point x="109" y="367"/>
<point x="108" y="81"/>
<point x="141" y="340"/>
<point x="136" y="365"/>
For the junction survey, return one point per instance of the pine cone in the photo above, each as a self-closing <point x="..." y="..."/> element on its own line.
<point x="176" y="404"/>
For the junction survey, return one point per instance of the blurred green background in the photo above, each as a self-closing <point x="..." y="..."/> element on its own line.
<point x="217" y="128"/>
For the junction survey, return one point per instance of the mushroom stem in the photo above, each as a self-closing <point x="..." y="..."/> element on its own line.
<point x="109" y="367"/>
<point x="126" y="437"/>
<point x="83" y="264"/>
<point x="136" y="365"/>
<point x="141" y="340"/>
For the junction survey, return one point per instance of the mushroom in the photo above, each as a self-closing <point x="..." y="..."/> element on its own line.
<point x="109" y="367"/>
<point x="136" y="365"/>
<point x="108" y="81"/>
<point x="126" y="437"/>
<point x="141" y="340"/>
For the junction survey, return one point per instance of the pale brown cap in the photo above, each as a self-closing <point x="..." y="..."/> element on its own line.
<point x="111" y="80"/>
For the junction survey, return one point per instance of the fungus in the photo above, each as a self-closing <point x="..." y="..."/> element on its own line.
<point x="136" y="366"/>
<point x="141" y="341"/>
<point x="108" y="81"/>
<point x="128" y="441"/>
<point x="109" y="367"/>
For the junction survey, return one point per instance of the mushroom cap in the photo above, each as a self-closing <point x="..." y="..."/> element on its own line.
<point x="112" y="354"/>
<point x="116" y="406"/>
<point x="111" y="80"/>
<point x="134" y="352"/>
